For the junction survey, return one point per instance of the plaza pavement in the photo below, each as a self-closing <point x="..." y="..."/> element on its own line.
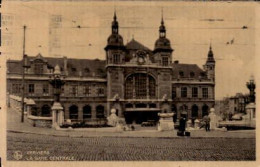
<point x="14" y="125"/>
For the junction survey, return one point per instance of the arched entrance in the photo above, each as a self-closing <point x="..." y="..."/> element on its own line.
<point x="46" y="111"/>
<point x="73" y="110"/>
<point x="205" y="110"/>
<point x="194" y="111"/>
<point x="86" y="112"/>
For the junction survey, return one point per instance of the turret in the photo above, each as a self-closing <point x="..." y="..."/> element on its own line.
<point x="115" y="46"/>
<point x="209" y="67"/>
<point x="162" y="48"/>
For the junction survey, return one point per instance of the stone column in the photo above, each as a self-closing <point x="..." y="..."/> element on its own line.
<point x="93" y="112"/>
<point x="80" y="110"/>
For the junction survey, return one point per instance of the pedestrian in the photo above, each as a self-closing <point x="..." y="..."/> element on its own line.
<point x="206" y="120"/>
<point x="182" y="126"/>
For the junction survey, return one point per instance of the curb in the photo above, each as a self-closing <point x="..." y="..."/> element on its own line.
<point x="118" y="136"/>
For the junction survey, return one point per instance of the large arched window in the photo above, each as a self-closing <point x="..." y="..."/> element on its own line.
<point x="194" y="111"/>
<point x="73" y="112"/>
<point x="46" y="111"/>
<point x="140" y="86"/>
<point x="205" y="110"/>
<point x="86" y="112"/>
<point x="100" y="113"/>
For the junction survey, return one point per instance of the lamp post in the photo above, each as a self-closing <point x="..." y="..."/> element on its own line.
<point x="25" y="65"/>
<point x="57" y="110"/>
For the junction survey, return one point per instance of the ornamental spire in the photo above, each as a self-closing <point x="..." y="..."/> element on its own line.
<point x="162" y="29"/>
<point x="115" y="24"/>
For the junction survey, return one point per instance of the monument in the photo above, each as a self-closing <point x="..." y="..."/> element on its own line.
<point x="57" y="109"/>
<point x="213" y="119"/>
<point x="113" y="118"/>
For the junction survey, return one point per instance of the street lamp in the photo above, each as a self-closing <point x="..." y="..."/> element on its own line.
<point x="57" y="109"/>
<point x="25" y="66"/>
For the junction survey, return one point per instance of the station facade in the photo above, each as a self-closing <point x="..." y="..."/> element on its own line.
<point x="136" y="81"/>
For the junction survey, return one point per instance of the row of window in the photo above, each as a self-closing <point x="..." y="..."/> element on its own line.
<point x="87" y="90"/>
<point x="44" y="88"/>
<point x="73" y="112"/>
<point x="194" y="92"/>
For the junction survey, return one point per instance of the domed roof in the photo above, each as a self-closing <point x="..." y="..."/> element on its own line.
<point x="115" y="40"/>
<point x="163" y="44"/>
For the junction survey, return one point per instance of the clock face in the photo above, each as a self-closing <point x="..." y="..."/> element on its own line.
<point x="141" y="57"/>
<point x="140" y="60"/>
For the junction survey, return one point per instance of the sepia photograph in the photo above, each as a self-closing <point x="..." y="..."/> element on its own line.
<point x="129" y="81"/>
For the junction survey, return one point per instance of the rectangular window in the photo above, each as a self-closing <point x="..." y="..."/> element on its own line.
<point x="31" y="88"/>
<point x="184" y="92"/>
<point x="16" y="88"/>
<point x="129" y="88"/>
<point x="100" y="91"/>
<point x="116" y="58"/>
<point x="174" y="94"/>
<point x="205" y="93"/>
<point x="74" y="90"/>
<point x="45" y="89"/>
<point x="86" y="90"/>
<point x="194" y="92"/>
<point x="165" y="61"/>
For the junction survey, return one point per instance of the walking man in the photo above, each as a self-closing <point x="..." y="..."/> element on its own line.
<point x="206" y="120"/>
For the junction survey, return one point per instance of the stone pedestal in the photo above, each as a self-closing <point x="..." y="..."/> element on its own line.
<point x="57" y="115"/>
<point x="250" y="114"/>
<point x="165" y="122"/>
<point x="213" y="119"/>
<point x="196" y="124"/>
<point x="189" y="123"/>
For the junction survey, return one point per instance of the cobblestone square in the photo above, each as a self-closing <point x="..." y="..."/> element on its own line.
<point x="39" y="147"/>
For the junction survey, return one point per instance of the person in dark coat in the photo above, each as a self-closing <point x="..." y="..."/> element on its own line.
<point x="182" y="126"/>
<point x="206" y="120"/>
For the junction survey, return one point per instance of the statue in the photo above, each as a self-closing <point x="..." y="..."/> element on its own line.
<point x="113" y="118"/>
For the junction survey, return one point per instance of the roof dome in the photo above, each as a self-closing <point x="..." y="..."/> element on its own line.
<point x="115" y="40"/>
<point x="163" y="43"/>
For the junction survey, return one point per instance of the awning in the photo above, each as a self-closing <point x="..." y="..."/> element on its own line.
<point x="142" y="109"/>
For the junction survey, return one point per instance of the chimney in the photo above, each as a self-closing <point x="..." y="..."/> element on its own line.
<point x="65" y="65"/>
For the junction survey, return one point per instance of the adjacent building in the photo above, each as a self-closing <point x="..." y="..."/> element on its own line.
<point x="135" y="80"/>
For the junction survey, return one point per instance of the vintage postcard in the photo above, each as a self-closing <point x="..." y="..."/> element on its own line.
<point x="133" y="83"/>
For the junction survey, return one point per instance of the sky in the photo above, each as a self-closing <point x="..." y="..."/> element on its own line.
<point x="191" y="27"/>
